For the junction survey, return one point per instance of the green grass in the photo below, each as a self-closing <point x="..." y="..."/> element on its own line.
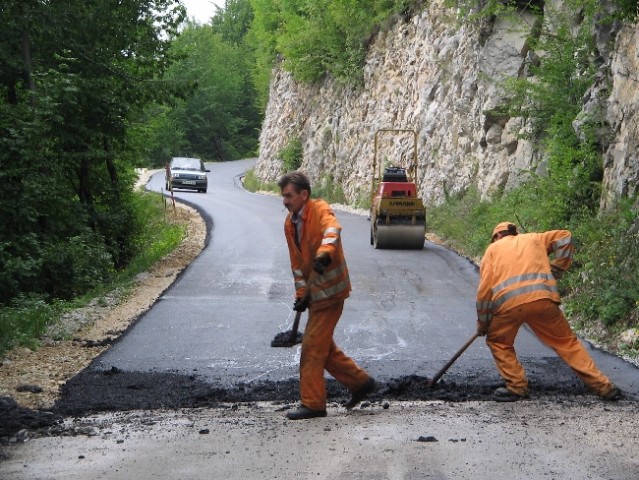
<point x="26" y="319"/>
<point x="253" y="184"/>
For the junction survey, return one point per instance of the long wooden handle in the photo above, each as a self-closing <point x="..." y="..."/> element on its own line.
<point x="439" y="374"/>
<point x="296" y="325"/>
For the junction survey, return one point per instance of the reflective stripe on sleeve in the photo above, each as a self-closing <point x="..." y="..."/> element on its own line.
<point x="488" y="305"/>
<point x="563" y="248"/>
<point x="562" y="242"/>
<point x="329" y="292"/>
<point x="330" y="241"/>
<point x="331" y="274"/>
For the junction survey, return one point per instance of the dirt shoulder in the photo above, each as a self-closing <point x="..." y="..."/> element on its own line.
<point x="33" y="377"/>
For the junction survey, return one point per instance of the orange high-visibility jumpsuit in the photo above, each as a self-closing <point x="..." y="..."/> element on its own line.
<point x="517" y="286"/>
<point x="321" y="234"/>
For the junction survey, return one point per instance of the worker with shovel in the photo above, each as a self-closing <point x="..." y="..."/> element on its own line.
<point x="518" y="285"/>
<point x="317" y="261"/>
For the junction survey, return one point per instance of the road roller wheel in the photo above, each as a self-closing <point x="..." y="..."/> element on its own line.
<point x="409" y="237"/>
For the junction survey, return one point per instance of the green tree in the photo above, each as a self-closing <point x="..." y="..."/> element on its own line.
<point x="216" y="117"/>
<point x="318" y="37"/>
<point x="71" y="76"/>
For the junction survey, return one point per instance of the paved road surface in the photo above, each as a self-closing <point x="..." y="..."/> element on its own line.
<point x="209" y="335"/>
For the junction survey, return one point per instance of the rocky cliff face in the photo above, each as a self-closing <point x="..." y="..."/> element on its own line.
<point x="440" y="79"/>
<point x="621" y="160"/>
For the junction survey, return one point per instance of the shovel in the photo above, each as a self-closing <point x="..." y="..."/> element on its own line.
<point x="439" y="374"/>
<point x="292" y="337"/>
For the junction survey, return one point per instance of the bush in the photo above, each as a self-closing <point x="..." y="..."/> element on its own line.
<point x="605" y="283"/>
<point x="74" y="267"/>
<point x="24" y="320"/>
<point x="329" y="190"/>
<point x="292" y="155"/>
<point x="253" y="184"/>
<point x="80" y="270"/>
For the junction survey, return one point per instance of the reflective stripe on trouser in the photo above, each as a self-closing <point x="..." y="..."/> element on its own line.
<point x="545" y="318"/>
<point x="319" y="352"/>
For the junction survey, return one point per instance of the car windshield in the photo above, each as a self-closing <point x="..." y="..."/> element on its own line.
<point x="186" y="164"/>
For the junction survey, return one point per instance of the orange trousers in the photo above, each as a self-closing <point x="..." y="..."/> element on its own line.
<point x="320" y="353"/>
<point x="546" y="319"/>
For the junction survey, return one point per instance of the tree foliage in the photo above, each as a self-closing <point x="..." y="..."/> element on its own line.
<point x="71" y="75"/>
<point x="318" y="37"/>
<point x="217" y="116"/>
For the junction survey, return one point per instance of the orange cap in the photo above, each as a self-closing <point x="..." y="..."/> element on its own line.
<point x="501" y="227"/>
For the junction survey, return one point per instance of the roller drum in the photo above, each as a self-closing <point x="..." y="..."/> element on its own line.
<point x="399" y="236"/>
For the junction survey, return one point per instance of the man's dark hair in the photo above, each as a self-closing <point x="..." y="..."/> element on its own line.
<point x="298" y="179"/>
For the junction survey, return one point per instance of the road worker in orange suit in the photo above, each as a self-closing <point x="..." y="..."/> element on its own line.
<point x="518" y="285"/>
<point x="313" y="236"/>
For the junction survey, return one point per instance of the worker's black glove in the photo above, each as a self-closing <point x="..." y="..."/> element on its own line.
<point x="320" y="262"/>
<point x="482" y="328"/>
<point x="300" y="304"/>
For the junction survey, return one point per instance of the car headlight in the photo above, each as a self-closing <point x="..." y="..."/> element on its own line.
<point x="201" y="177"/>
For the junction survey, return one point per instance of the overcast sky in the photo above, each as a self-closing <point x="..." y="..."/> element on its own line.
<point x="202" y="10"/>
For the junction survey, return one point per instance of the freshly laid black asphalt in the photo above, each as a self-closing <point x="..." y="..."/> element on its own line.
<point x="208" y="339"/>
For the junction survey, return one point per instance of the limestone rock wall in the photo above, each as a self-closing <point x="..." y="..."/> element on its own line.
<point x="621" y="160"/>
<point x="440" y="79"/>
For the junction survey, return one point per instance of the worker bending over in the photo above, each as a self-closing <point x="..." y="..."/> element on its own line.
<point x="313" y="237"/>
<point x="518" y="285"/>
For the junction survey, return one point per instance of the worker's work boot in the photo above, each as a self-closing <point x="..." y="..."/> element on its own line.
<point x="360" y="394"/>
<point x="502" y="394"/>
<point x="613" y="395"/>
<point x="303" y="412"/>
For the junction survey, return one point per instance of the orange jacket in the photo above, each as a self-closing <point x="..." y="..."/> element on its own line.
<point x="320" y="234"/>
<point x="517" y="269"/>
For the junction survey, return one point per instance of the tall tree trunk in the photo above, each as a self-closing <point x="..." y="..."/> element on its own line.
<point x="113" y="172"/>
<point x="26" y="57"/>
<point x="84" y="192"/>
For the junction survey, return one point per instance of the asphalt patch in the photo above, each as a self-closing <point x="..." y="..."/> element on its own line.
<point x="94" y="391"/>
<point x="15" y="419"/>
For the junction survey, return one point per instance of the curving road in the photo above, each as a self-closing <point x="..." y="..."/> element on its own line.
<point x="208" y="338"/>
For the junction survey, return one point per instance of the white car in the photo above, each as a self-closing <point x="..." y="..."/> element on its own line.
<point x="187" y="173"/>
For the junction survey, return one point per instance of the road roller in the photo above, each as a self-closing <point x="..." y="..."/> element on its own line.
<point x="398" y="216"/>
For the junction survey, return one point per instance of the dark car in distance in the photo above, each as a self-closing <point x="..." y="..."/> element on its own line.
<point x="187" y="173"/>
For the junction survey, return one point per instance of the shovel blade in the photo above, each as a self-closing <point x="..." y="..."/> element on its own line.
<point x="287" y="339"/>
